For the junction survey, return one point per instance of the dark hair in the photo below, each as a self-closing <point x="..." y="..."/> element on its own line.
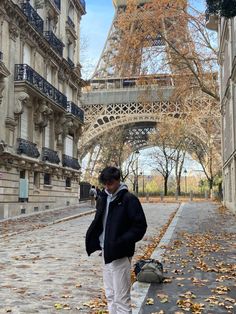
<point x="93" y="186"/>
<point x="108" y="174"/>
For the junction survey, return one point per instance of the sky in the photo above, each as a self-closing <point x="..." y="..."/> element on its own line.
<point x="95" y="26"/>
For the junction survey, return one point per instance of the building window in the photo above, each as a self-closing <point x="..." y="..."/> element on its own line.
<point x="47" y="179"/>
<point x="47" y="135"/>
<point x="27" y="54"/>
<point x="37" y="180"/>
<point x="24" y="124"/>
<point x="71" y="11"/>
<point x="22" y="174"/>
<point x="69" y="143"/>
<point x="70" y="50"/>
<point x="68" y="182"/>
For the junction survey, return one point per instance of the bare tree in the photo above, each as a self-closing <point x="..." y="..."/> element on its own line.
<point x="163" y="162"/>
<point x="171" y="134"/>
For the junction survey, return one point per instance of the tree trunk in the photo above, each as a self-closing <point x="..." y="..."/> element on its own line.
<point x="165" y="186"/>
<point x="178" y="187"/>
<point x="210" y="183"/>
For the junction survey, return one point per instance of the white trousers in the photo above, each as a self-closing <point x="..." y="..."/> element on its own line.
<point x="117" y="284"/>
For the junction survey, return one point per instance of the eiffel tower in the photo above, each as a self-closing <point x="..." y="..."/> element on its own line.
<point x="115" y="96"/>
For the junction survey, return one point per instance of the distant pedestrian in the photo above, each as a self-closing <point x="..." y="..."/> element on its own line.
<point x="118" y="224"/>
<point x="92" y="195"/>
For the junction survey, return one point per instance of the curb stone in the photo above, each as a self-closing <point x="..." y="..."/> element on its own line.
<point x="139" y="290"/>
<point x="53" y="222"/>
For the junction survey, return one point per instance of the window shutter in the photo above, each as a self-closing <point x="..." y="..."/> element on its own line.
<point x="69" y="93"/>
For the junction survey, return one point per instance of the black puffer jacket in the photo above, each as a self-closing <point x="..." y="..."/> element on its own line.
<point x="126" y="224"/>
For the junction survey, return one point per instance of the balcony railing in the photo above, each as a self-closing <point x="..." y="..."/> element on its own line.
<point x="68" y="161"/>
<point x="28" y="148"/>
<point x="213" y="6"/>
<point x="35" y="20"/>
<point x="75" y="110"/>
<point x="23" y="72"/>
<point x="223" y="8"/>
<point x="50" y="155"/>
<point x="83" y="4"/>
<point x="56" y="44"/>
<point x="58" y="4"/>
<point x="71" y="63"/>
<point x="70" y="22"/>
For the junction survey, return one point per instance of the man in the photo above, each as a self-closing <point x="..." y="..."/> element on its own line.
<point x="92" y="194"/>
<point x="118" y="224"/>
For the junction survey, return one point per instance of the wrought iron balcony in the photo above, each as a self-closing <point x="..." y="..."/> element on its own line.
<point x="223" y="8"/>
<point x="70" y="22"/>
<point x="213" y="6"/>
<point x="23" y="72"/>
<point x="28" y="148"/>
<point x="58" y="4"/>
<point x="35" y="20"/>
<point x="68" y="161"/>
<point x="56" y="44"/>
<point x="75" y="110"/>
<point x="71" y="63"/>
<point x="83" y="4"/>
<point x="50" y="155"/>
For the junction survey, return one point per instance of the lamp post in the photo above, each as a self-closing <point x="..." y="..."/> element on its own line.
<point x="185" y="180"/>
<point x="136" y="172"/>
<point x="142" y="174"/>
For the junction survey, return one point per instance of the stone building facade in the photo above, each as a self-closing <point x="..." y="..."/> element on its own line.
<point x="226" y="28"/>
<point x="40" y="118"/>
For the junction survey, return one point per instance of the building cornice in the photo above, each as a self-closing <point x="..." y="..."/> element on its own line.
<point x="79" y="6"/>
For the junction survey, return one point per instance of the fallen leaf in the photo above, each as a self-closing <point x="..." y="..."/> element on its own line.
<point x="58" y="306"/>
<point x="149" y="301"/>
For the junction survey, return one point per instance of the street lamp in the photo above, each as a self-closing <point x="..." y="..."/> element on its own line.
<point x="136" y="172"/>
<point x="142" y="174"/>
<point x="185" y="180"/>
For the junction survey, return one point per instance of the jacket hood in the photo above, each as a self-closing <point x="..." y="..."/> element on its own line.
<point x="122" y="186"/>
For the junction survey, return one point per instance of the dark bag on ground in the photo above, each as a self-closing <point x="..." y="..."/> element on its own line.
<point x="149" y="270"/>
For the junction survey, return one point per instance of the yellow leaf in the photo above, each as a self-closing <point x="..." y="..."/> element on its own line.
<point x="58" y="306"/>
<point x="149" y="301"/>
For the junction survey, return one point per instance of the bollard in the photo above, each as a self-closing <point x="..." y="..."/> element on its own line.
<point x="191" y="195"/>
<point x="147" y="197"/>
<point x="161" y="196"/>
<point x="176" y="196"/>
<point x="206" y="195"/>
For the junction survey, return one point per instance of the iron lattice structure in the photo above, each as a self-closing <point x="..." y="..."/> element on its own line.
<point x="114" y="99"/>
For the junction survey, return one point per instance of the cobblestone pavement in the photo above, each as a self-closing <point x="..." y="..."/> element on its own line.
<point x="38" y="220"/>
<point x="48" y="266"/>
<point x="199" y="263"/>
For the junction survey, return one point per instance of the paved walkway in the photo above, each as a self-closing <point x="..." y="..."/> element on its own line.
<point x="28" y="222"/>
<point x="199" y="258"/>
<point x="47" y="268"/>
